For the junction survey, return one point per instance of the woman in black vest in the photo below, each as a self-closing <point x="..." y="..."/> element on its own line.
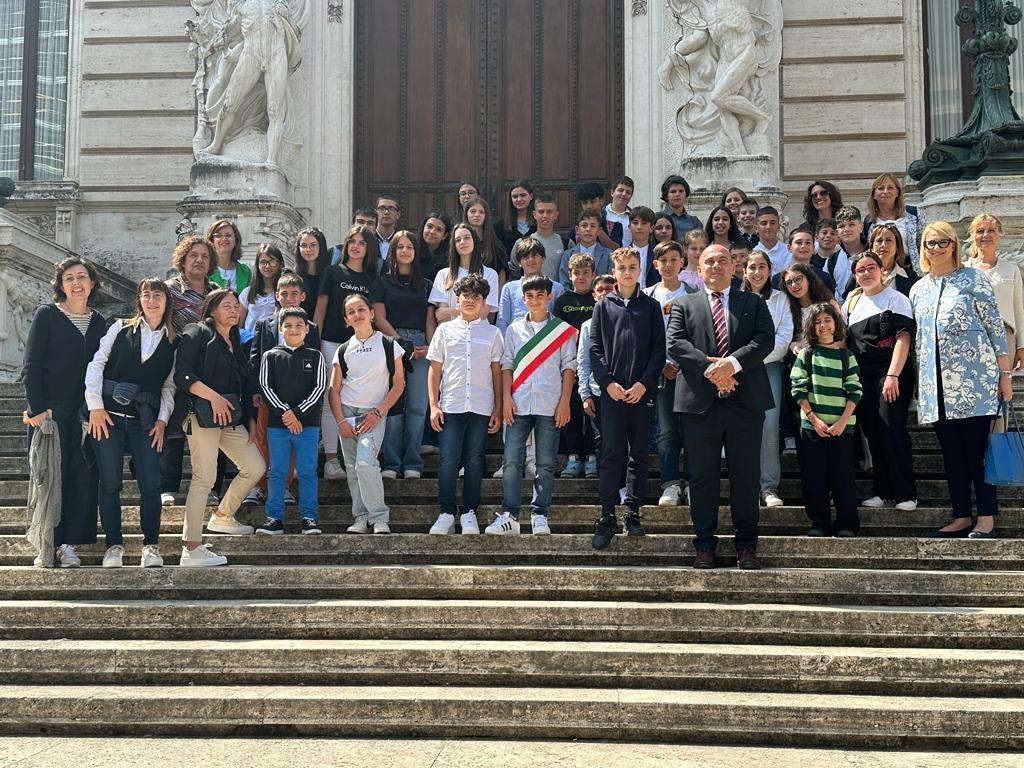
<point x="129" y="391"/>
<point x="61" y="341"/>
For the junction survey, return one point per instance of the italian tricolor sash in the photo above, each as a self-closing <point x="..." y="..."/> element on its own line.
<point x="538" y="349"/>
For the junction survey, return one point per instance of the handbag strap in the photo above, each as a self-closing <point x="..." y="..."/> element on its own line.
<point x="1006" y="408"/>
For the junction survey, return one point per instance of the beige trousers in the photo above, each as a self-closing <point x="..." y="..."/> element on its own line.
<point x="204" y="445"/>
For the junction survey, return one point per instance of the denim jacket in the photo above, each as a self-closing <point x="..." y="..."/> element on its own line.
<point x="957" y="320"/>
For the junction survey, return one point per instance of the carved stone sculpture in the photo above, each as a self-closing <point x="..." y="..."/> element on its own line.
<point x="718" y="70"/>
<point x="237" y="43"/>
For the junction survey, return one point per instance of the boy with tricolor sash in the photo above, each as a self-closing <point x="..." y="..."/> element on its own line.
<point x="538" y="372"/>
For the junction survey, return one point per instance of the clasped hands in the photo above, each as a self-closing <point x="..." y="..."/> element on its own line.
<point x="721" y="374"/>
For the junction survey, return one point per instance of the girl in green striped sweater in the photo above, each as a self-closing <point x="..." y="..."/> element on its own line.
<point x="826" y="386"/>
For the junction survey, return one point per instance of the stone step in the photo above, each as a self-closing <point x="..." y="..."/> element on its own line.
<point x="540" y="583"/>
<point x="792" y="669"/>
<point x="462" y="711"/>
<point x="565" y="550"/>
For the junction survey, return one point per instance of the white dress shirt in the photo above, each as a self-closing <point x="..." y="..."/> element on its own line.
<point x="736" y="367"/>
<point x="94" y="372"/>
<point x="466" y="351"/>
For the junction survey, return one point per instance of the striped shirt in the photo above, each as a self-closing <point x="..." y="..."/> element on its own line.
<point x="81" y="322"/>
<point x="824" y="387"/>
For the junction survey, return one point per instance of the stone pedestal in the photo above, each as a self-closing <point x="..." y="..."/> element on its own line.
<point x="719" y="173"/>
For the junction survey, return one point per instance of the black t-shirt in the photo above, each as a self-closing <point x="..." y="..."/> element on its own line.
<point x="406" y="306"/>
<point x="312" y="291"/>
<point x="574" y="308"/>
<point x="337" y="283"/>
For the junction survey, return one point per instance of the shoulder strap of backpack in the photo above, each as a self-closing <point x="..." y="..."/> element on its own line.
<point x="341" y="358"/>
<point x="389" y="356"/>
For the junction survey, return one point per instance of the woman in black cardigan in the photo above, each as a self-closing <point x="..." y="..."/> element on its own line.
<point x="61" y="342"/>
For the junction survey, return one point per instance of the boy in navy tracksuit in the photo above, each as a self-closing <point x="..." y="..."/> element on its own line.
<point x="627" y="355"/>
<point x="293" y="379"/>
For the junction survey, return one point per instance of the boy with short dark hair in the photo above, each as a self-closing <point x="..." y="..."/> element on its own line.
<point x="831" y="259"/>
<point x="293" y="380"/>
<point x="801" y="248"/>
<point x="740" y="253"/>
<point x="675" y="190"/>
<point x="587" y="388"/>
<point x="588" y="227"/>
<point x="746" y="220"/>
<point x="768" y="239"/>
<point x="641" y="226"/>
<point x="529" y="254"/>
<point x="464" y="390"/>
<point x="627" y="355"/>
<point x="538" y="370"/>
<point x="616" y="213"/>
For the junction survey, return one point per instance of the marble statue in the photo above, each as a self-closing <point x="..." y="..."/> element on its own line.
<point x="718" y="69"/>
<point x="237" y="43"/>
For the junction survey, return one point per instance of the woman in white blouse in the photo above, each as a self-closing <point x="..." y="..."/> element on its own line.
<point x="984" y="235"/>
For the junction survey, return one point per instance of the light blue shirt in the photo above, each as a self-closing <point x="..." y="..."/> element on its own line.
<point x="585" y="382"/>
<point x="512" y="306"/>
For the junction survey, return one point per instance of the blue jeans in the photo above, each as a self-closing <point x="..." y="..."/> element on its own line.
<point x="280" y="444"/>
<point x="670" y="437"/>
<point x="109" y="453"/>
<point x="771" y="468"/>
<point x="462" y="441"/>
<point x="545" y="440"/>
<point x="363" y="470"/>
<point x="404" y="432"/>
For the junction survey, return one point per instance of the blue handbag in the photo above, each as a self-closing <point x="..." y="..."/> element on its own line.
<point x="1004" y="457"/>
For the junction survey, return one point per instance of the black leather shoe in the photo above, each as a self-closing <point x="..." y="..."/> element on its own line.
<point x="747" y="560"/>
<point x="941" y="534"/>
<point x="607" y="527"/>
<point x="705" y="559"/>
<point x="631" y="526"/>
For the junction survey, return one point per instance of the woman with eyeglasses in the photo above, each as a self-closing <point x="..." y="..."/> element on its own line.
<point x="886" y="242"/>
<point x="881" y="328"/>
<point x="821" y="202"/>
<point x="985" y="233"/>
<point x="963" y="374"/>
<point x="886" y="203"/>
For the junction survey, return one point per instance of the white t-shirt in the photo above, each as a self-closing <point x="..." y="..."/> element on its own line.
<point x="261" y="308"/>
<point x="665" y="297"/>
<point x="228" y="276"/>
<point x="623" y="219"/>
<point x="366" y="383"/>
<point x="439" y="295"/>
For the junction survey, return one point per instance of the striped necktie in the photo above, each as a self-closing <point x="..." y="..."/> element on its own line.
<point x="721" y="329"/>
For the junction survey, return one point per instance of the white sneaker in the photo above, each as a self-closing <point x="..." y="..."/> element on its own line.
<point x="114" y="557"/>
<point x="503" y="525"/>
<point x="771" y="499"/>
<point x="531" y="469"/>
<point x="359" y="526"/>
<point x="381" y="527"/>
<point x="462" y="472"/>
<point x="389" y="474"/>
<point x="228" y="524"/>
<point x="333" y="470"/>
<point x="907" y="506"/>
<point x="254" y="498"/>
<point x="151" y="557"/>
<point x="38" y="562"/>
<point x="66" y="557"/>
<point x="499" y="472"/>
<point x="670" y="496"/>
<point x="469" y="524"/>
<point x="166" y="499"/>
<point x="876" y="502"/>
<point x="412" y="474"/>
<point x="200" y="557"/>
<point x="444" y="525"/>
<point x="539" y="525"/>
<point x="622" y="495"/>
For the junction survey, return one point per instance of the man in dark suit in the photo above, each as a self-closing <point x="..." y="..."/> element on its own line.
<point x="719" y="338"/>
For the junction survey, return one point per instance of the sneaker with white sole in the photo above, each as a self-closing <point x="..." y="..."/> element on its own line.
<point x="503" y="525"/>
<point x="381" y="527"/>
<point x="228" y="524"/>
<point x="789" y="446"/>
<point x="468" y="523"/>
<point x="771" y="499"/>
<point x="333" y="470"/>
<point x="670" y="496"/>
<point x="310" y="527"/>
<point x="622" y="495"/>
<point x="876" y="502"/>
<point x="66" y="557"/>
<point x="361" y="525"/>
<point x="272" y="527"/>
<point x="254" y="498"/>
<point x="114" y="557"/>
<point x="428" y="450"/>
<point x="412" y="474"/>
<point x="539" y="525"/>
<point x="444" y="525"/>
<point x="166" y="499"/>
<point x="499" y="472"/>
<point x="389" y="474"/>
<point x="200" y="557"/>
<point x="151" y="557"/>
<point x="907" y="506"/>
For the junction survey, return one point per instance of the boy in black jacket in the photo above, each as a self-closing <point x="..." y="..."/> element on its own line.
<point x="627" y="355"/>
<point x="293" y="379"/>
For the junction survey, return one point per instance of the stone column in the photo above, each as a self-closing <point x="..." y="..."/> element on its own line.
<point x="646" y="131"/>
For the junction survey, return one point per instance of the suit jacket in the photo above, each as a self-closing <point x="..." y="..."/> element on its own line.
<point x="691" y="340"/>
<point x="264" y="339"/>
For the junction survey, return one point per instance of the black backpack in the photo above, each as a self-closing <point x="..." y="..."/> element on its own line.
<point x="389" y="354"/>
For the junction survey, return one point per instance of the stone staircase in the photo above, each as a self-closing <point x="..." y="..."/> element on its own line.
<point x="887" y="640"/>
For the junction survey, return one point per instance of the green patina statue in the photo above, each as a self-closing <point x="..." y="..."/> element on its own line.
<point x="992" y="140"/>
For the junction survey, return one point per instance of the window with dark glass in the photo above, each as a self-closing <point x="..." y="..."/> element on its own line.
<point x="33" y="88"/>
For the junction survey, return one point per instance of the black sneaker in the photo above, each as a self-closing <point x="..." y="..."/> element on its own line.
<point x="310" y="527"/>
<point x="607" y="527"/>
<point x="631" y="526"/>
<point x="271" y="527"/>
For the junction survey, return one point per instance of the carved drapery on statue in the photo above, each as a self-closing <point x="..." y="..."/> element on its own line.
<point x="718" y="71"/>
<point x="992" y="140"/>
<point x="245" y="51"/>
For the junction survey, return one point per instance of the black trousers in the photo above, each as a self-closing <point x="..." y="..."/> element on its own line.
<point x="963" y="443"/>
<point x="885" y="427"/>
<point x="730" y="425"/>
<point x="578" y="435"/>
<point x="828" y="468"/>
<point x="625" y="437"/>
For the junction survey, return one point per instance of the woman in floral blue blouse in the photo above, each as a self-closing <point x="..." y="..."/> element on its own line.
<point x="963" y="373"/>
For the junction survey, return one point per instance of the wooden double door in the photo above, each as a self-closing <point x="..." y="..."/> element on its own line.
<point x="487" y="91"/>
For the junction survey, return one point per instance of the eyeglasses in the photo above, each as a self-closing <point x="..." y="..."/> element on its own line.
<point x="932" y="245"/>
<point x="819" y="194"/>
<point x="795" y="280"/>
<point x="387" y="209"/>
<point x="223" y="235"/>
<point x="866" y="270"/>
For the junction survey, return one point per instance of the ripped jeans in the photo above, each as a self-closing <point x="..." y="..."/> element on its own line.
<point x="363" y="470"/>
